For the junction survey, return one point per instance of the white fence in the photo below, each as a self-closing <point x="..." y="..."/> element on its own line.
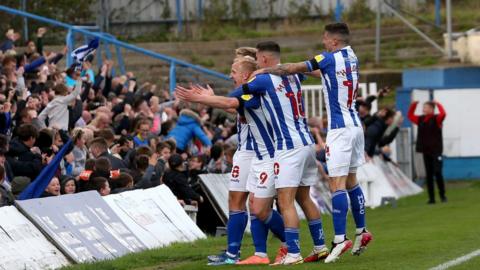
<point x="313" y="98"/>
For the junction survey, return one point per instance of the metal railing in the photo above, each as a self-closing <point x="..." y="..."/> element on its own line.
<point x="312" y="95"/>
<point x="109" y="39"/>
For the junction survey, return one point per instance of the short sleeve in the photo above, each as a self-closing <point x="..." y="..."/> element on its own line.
<point x="258" y="85"/>
<point x="245" y="100"/>
<point x="320" y="61"/>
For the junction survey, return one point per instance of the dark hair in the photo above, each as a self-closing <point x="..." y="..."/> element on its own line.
<point x="200" y="159"/>
<point x="64" y="181"/>
<point x="100" y="143"/>
<point x="172" y="144"/>
<point x="60" y="90"/>
<point x="430" y="103"/>
<point x="268" y="46"/>
<point x="107" y="134"/>
<point x="339" y="29"/>
<point x="3" y="141"/>
<point x="90" y="164"/>
<point x="166" y="127"/>
<point x="142" y="162"/>
<point x="216" y="151"/>
<point x="123" y="180"/>
<point x="389" y="113"/>
<point x="97" y="183"/>
<point x="144" y="150"/>
<point x="159" y="147"/>
<point x="103" y="164"/>
<point x="2" y="172"/>
<point x="27" y="131"/>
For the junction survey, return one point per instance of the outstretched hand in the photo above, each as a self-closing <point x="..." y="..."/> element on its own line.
<point x="192" y="94"/>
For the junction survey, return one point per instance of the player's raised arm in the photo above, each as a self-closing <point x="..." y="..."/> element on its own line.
<point x="285" y="69"/>
<point x="200" y="95"/>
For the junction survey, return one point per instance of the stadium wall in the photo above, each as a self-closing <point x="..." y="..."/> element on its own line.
<point x="88" y="227"/>
<point x="458" y="89"/>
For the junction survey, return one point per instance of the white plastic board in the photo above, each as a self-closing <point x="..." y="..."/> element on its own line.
<point x="23" y="246"/>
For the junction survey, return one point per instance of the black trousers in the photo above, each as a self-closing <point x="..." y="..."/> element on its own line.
<point x="433" y="168"/>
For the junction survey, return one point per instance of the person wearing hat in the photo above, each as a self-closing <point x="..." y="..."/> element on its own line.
<point x="19" y="183"/>
<point x="176" y="179"/>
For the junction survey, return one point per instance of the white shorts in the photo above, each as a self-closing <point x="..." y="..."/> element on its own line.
<point x="240" y="171"/>
<point x="296" y="167"/>
<point x="344" y="150"/>
<point x="262" y="177"/>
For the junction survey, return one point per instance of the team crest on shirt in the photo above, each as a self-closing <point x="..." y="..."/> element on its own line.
<point x="235" y="171"/>
<point x="263" y="178"/>
<point x="247" y="97"/>
<point x="319" y="58"/>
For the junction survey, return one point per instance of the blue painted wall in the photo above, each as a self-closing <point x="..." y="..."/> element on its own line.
<point x="454" y="168"/>
<point x="461" y="168"/>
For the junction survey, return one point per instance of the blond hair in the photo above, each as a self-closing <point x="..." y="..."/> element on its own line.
<point x="246" y="51"/>
<point x="247" y="64"/>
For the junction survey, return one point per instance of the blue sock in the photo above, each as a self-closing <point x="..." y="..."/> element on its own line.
<point x="292" y="240"/>
<point x="357" y="203"/>
<point x="316" y="231"/>
<point x="275" y="223"/>
<point x="340" y="209"/>
<point x="237" y="222"/>
<point x="259" y="234"/>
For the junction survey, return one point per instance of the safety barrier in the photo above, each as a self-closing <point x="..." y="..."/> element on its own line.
<point x="23" y="246"/>
<point x="313" y="99"/>
<point x="49" y="233"/>
<point x="380" y="179"/>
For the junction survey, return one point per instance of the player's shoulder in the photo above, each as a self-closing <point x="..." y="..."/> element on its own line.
<point x="261" y="79"/>
<point x="324" y="59"/>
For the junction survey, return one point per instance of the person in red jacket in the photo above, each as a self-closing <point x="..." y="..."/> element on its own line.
<point x="430" y="144"/>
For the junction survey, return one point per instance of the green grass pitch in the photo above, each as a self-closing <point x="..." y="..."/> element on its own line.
<point x="412" y="236"/>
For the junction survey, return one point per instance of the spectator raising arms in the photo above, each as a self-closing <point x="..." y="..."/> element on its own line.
<point x="188" y="127"/>
<point x="430" y="144"/>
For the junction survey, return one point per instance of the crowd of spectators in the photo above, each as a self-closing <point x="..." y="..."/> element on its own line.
<point x="125" y="134"/>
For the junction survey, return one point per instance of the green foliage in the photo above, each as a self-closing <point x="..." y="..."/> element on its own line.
<point x="359" y="12"/>
<point x="240" y="11"/>
<point x="298" y="12"/>
<point x="68" y="11"/>
<point x="206" y="62"/>
<point x="166" y="9"/>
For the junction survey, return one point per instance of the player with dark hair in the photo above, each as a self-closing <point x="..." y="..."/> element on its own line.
<point x="345" y="140"/>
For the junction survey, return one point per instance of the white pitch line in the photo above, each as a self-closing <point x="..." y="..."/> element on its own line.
<point x="457" y="261"/>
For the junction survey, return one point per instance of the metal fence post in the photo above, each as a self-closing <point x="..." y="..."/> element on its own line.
<point x="338" y="11"/>
<point x="179" y="16"/>
<point x="70" y="46"/>
<point x="438" y="17"/>
<point x="172" y="77"/>
<point x="25" y="21"/>
<point x="121" y="64"/>
<point x="377" y="32"/>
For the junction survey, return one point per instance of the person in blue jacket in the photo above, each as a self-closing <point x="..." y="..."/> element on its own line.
<point x="188" y="126"/>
